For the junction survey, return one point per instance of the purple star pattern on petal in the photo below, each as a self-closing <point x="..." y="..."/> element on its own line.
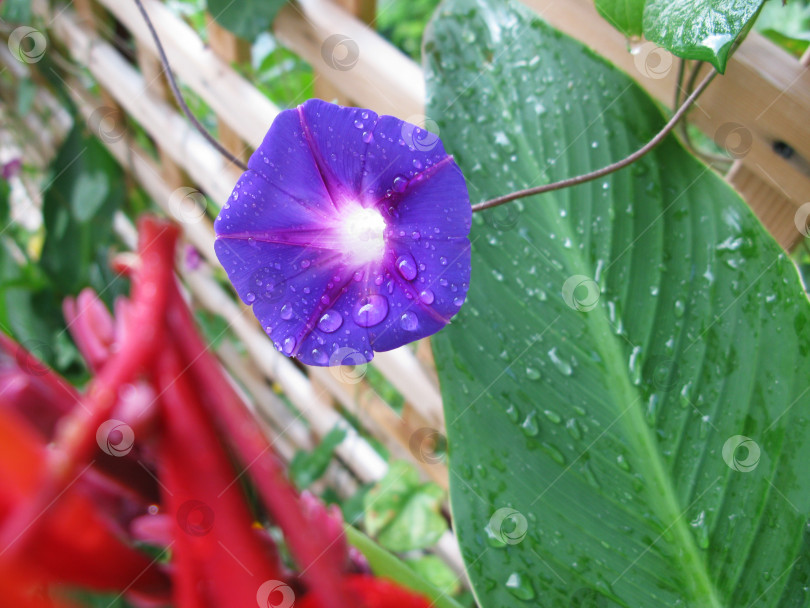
<point x="347" y="234"/>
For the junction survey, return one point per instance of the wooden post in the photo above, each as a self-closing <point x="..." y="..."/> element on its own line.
<point x="157" y="86"/>
<point x="365" y="11"/>
<point x="231" y="49"/>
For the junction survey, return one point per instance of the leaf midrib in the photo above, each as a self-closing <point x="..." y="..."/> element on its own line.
<point x="659" y="489"/>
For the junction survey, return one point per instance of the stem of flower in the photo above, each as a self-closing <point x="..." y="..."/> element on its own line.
<point x="178" y="96"/>
<point x="612" y="168"/>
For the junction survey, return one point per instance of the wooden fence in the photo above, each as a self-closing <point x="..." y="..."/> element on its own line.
<point x="758" y="111"/>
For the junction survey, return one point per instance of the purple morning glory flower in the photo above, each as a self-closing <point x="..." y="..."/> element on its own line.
<point x="347" y="234"/>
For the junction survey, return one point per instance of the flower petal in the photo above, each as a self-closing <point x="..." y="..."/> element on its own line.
<point x="339" y="139"/>
<point x="398" y="152"/>
<point x="284" y="159"/>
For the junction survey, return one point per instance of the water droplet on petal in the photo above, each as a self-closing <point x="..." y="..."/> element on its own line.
<point x="305" y="264"/>
<point x="330" y="321"/>
<point x="427" y="297"/>
<point x="409" y="321"/>
<point x="370" y="311"/>
<point x="367" y="137"/>
<point x="286" y="312"/>
<point x="320" y="356"/>
<point x="358" y="124"/>
<point x="400" y="183"/>
<point x="288" y="345"/>
<point x="250" y="297"/>
<point x="416" y="235"/>
<point x="407" y="266"/>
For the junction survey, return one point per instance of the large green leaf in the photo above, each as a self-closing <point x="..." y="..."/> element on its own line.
<point x="626" y="390"/>
<point x="700" y="29"/>
<point x="624" y="15"/>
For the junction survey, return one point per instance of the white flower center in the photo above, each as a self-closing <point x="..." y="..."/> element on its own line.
<point x="362" y="234"/>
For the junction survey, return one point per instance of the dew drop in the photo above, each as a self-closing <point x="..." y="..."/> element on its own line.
<point x="562" y="366"/>
<point x="427" y="297"/>
<point x="286" y="311"/>
<point x="532" y="373"/>
<point x="330" y="321"/>
<point x="400" y="183"/>
<point x="370" y="311"/>
<point x="407" y="266"/>
<point x="358" y="124"/>
<point x="529" y="426"/>
<point x="573" y="429"/>
<point x="409" y="321"/>
<point x="319" y="356"/>
<point x="520" y="586"/>
<point x="305" y="264"/>
<point x="513" y="413"/>
<point x="553" y="416"/>
<point x="367" y="137"/>
<point x="553" y="453"/>
<point x="679" y="308"/>
<point x="416" y="235"/>
<point x="634" y="365"/>
<point x="288" y="345"/>
<point x="416" y="164"/>
<point x="250" y="297"/>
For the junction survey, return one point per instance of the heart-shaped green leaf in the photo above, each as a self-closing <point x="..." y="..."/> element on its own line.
<point x="700" y="29"/>
<point x="626" y="390"/>
<point x="624" y="15"/>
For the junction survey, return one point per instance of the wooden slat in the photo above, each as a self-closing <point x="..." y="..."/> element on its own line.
<point x="231" y="50"/>
<point x="155" y="83"/>
<point x="229" y="95"/>
<point x="324" y="87"/>
<point x="774" y="209"/>
<point x="380" y="78"/>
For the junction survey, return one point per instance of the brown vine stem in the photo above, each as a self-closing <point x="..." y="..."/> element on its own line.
<point x="613" y="167"/>
<point x="178" y="96"/>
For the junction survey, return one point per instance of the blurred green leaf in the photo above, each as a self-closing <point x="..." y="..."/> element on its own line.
<point x="86" y="189"/>
<point x="436" y="572"/>
<point x="706" y="30"/>
<point x="89" y="193"/>
<point x="403" y="21"/>
<point x="16" y="11"/>
<point x="788" y="25"/>
<point x="308" y="467"/>
<point x="402" y="513"/>
<point x="624" y="15"/>
<point x="26" y="90"/>
<point x="386" y="565"/>
<point x="245" y="18"/>
<point x="5" y="202"/>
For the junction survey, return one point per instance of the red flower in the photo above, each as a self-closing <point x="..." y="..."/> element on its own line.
<point x="154" y="451"/>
